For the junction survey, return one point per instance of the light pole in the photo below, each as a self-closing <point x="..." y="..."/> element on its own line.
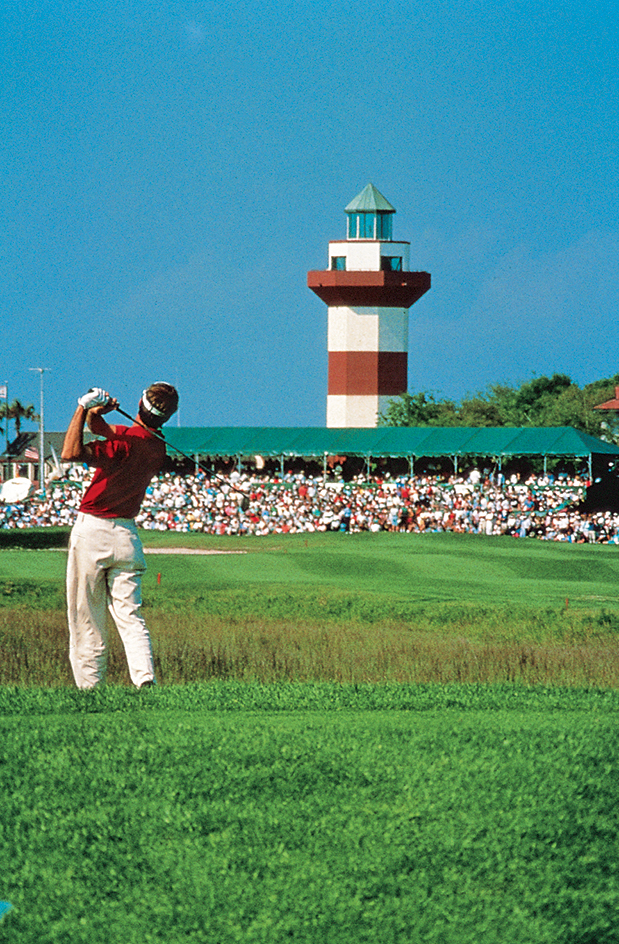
<point x="41" y="371"/>
<point x="4" y="395"/>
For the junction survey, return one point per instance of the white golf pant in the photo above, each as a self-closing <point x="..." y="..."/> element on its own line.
<point x="104" y="570"/>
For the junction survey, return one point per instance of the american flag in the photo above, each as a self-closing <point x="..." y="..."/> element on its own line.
<point x="31" y="453"/>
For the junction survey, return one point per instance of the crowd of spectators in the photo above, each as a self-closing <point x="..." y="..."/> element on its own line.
<point x="254" y="504"/>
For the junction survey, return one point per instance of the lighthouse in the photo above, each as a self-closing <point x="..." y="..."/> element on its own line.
<point x="368" y="288"/>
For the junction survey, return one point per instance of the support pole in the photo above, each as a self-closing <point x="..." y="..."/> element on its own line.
<point x="6" y="432"/>
<point x="6" y="417"/>
<point x="41" y="371"/>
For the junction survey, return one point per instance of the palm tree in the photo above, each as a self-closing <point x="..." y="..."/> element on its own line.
<point x="17" y="412"/>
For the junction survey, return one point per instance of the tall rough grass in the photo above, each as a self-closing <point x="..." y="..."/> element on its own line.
<point x="551" y="649"/>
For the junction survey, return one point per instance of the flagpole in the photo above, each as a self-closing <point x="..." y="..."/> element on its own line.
<point x="41" y="371"/>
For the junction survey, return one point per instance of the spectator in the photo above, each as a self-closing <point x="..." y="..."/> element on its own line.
<point x="299" y="503"/>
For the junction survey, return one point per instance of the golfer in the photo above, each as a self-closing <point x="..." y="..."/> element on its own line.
<point x="106" y="559"/>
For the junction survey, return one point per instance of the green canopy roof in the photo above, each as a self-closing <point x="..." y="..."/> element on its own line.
<point x="386" y="441"/>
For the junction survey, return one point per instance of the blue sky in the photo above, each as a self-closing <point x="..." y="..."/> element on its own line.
<point x="170" y="172"/>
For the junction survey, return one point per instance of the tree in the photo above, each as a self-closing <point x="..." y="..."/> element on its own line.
<point x="418" y="409"/>
<point x="602" y="423"/>
<point x="543" y="401"/>
<point x="480" y="411"/>
<point x="17" y="412"/>
<point x="536" y="399"/>
<point x="495" y="406"/>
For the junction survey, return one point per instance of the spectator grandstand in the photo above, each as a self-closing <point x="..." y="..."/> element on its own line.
<point x="253" y="503"/>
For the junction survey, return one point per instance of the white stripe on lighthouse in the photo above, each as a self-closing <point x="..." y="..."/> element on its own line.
<point x="368" y="329"/>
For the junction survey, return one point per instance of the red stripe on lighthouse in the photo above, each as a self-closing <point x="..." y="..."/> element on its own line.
<point x="359" y="373"/>
<point x="366" y="289"/>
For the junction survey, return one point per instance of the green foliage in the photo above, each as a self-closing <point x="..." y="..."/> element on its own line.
<point x="144" y="822"/>
<point x="17" y="411"/>
<point x="34" y="538"/>
<point x="542" y="401"/>
<point x="420" y="409"/>
<point x="480" y="411"/>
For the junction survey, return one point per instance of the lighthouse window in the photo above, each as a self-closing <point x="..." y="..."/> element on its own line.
<point x="366" y="226"/>
<point x="383" y="226"/>
<point x="338" y="263"/>
<point x="391" y="263"/>
<point x="370" y="225"/>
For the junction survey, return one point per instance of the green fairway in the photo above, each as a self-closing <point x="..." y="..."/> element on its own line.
<point x="146" y="819"/>
<point x="405" y="567"/>
<point x="434" y="567"/>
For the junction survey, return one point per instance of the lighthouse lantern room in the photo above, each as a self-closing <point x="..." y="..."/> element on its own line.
<point x="368" y="288"/>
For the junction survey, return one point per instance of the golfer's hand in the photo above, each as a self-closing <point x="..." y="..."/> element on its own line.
<point x="111" y="404"/>
<point x="95" y="397"/>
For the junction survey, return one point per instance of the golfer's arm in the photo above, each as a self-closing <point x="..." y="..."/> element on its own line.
<point x="98" y="426"/>
<point x="73" y="448"/>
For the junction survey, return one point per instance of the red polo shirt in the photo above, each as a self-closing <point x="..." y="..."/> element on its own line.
<point x="125" y="465"/>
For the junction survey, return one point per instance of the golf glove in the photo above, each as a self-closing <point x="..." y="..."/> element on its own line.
<point x="96" y="396"/>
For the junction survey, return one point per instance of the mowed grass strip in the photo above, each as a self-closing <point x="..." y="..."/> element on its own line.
<point x="451" y="825"/>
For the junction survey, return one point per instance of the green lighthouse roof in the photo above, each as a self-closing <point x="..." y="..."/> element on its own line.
<point x="370" y="200"/>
